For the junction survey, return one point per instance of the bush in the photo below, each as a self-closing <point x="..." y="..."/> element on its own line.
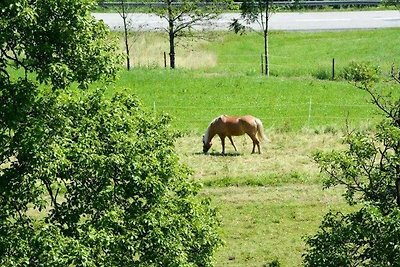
<point x="369" y="170"/>
<point x="361" y="72"/>
<point x="111" y="185"/>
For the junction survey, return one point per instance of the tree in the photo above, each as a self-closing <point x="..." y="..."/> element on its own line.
<point x="124" y="15"/>
<point x="85" y="179"/>
<point x="259" y="11"/>
<point x="182" y="16"/>
<point x="369" y="170"/>
<point x="392" y="3"/>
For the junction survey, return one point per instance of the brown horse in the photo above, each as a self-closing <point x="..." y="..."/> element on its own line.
<point x="228" y="126"/>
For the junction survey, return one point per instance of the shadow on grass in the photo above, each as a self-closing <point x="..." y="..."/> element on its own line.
<point x="219" y="154"/>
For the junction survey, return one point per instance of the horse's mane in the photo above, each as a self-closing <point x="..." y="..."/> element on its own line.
<point x="206" y="135"/>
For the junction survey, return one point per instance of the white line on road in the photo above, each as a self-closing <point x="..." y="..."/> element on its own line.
<point x="322" y="20"/>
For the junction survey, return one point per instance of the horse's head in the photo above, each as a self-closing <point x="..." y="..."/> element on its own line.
<point x="206" y="145"/>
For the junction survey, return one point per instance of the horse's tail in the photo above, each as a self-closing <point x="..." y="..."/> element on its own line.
<point x="260" y="131"/>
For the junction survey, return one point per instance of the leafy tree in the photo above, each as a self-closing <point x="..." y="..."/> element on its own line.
<point x="181" y="16"/>
<point x="86" y="180"/>
<point x="392" y="3"/>
<point x="370" y="172"/>
<point x="259" y="11"/>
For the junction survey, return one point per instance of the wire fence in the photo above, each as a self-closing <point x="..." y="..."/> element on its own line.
<point x="298" y="115"/>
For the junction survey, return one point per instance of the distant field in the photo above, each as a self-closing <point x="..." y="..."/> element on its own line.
<point x="298" y="94"/>
<point x="193" y="99"/>
<point x="292" y="54"/>
<point x="267" y="203"/>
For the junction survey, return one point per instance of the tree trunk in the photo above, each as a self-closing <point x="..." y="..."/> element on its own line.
<point x="171" y="33"/>
<point x="124" y="17"/>
<point x="266" y="53"/>
<point x="266" y="39"/>
<point x="128" y="62"/>
<point x="171" y="49"/>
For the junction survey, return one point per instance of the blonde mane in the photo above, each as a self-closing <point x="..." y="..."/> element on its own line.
<point x="207" y="134"/>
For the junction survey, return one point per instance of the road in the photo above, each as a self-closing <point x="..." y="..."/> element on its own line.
<point x="288" y="21"/>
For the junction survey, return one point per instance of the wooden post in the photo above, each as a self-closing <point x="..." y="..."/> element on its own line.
<point x="333" y="68"/>
<point x="165" y="60"/>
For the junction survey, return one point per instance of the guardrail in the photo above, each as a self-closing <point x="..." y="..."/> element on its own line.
<point x="289" y="3"/>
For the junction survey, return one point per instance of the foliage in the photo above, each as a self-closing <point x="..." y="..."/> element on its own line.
<point x="112" y="187"/>
<point x="50" y="37"/>
<point x="369" y="169"/>
<point x="363" y="238"/>
<point x="390" y="3"/>
<point x="364" y="73"/>
<point x="86" y="180"/>
<point x="181" y="16"/>
<point x="258" y="11"/>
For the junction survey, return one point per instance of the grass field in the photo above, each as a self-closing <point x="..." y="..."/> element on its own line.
<point x="227" y="81"/>
<point x="267" y="203"/>
<point x="283" y="104"/>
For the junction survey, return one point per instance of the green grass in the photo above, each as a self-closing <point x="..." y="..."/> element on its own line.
<point x="262" y="224"/>
<point x="293" y="98"/>
<point x="267" y="203"/>
<point x="287" y="104"/>
<point x="294" y="54"/>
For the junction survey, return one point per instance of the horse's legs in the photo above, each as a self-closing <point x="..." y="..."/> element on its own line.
<point x="255" y="143"/>
<point x="223" y="144"/>
<point x="258" y="146"/>
<point x="230" y="138"/>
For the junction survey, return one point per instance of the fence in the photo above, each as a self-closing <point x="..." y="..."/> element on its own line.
<point x="289" y="3"/>
<point x="291" y="116"/>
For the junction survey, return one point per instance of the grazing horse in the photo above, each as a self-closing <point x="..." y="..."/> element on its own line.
<point x="228" y="126"/>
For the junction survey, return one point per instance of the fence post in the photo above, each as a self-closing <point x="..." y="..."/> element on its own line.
<point x="165" y="60"/>
<point x="333" y="68"/>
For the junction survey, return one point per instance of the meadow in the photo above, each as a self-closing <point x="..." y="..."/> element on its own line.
<point x="267" y="203"/>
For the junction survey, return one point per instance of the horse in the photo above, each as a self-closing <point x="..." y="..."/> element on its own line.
<point x="228" y="126"/>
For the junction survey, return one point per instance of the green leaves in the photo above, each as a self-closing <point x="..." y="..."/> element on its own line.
<point x="109" y="172"/>
<point x="57" y="40"/>
<point x="363" y="238"/>
<point x="369" y="169"/>
<point x="86" y="180"/>
<point x="364" y="73"/>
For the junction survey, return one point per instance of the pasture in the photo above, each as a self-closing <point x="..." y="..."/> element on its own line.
<point x="267" y="203"/>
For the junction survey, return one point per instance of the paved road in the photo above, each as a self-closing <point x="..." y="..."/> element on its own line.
<point x="292" y="21"/>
